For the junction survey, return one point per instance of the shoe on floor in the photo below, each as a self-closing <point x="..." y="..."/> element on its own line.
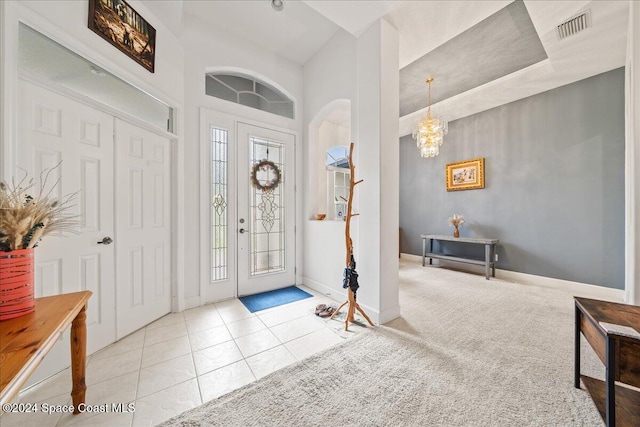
<point x="327" y="311"/>
<point x="320" y="308"/>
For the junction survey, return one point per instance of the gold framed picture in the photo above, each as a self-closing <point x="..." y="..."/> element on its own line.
<point x="466" y="175"/>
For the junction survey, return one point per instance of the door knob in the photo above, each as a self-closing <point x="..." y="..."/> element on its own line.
<point x="242" y="230"/>
<point x="106" y="241"/>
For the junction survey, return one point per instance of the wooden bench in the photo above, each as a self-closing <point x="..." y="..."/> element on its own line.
<point x="613" y="331"/>
<point x="489" y="251"/>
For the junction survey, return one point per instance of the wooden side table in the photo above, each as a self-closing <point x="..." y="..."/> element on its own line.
<point x="25" y="341"/>
<point x="613" y="331"/>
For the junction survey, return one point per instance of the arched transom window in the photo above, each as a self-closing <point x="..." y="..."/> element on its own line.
<point x="249" y="91"/>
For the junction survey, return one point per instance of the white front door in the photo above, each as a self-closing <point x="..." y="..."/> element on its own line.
<point x="250" y="243"/>
<point x="266" y="213"/>
<point x="143" y="231"/>
<point x="52" y="129"/>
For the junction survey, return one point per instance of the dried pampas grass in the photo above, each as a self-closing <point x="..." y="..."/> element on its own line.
<point x="456" y="220"/>
<point x="24" y="219"/>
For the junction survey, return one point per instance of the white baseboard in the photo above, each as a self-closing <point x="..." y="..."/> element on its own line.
<point x="192" y="302"/>
<point x="388" y="315"/>
<point x="323" y="289"/>
<point x="576" y="288"/>
<point x="340" y="296"/>
<point x="411" y="257"/>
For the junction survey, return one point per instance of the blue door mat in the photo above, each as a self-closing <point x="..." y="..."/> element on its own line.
<point x="275" y="298"/>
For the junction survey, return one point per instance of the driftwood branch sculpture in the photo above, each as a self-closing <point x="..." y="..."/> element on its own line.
<point x="350" y="274"/>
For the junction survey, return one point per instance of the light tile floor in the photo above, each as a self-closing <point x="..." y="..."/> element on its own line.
<point x="184" y="359"/>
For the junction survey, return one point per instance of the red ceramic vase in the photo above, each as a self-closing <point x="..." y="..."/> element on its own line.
<point x="16" y="283"/>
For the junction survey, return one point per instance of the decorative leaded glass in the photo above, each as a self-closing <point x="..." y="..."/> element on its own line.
<point x="219" y="197"/>
<point x="267" y="212"/>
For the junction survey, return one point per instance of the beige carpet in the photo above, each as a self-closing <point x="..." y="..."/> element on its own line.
<point x="466" y="352"/>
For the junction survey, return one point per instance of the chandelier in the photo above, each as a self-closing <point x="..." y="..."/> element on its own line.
<point x="430" y="131"/>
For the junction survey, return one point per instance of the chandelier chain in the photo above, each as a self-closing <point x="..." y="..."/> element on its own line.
<point x="429" y="80"/>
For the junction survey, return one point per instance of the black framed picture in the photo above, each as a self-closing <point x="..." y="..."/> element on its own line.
<point x="119" y="24"/>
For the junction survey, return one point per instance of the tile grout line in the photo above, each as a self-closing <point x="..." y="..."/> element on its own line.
<point x="193" y="361"/>
<point x="135" y="397"/>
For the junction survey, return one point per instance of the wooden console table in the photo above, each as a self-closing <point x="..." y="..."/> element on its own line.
<point x="489" y="251"/>
<point x="613" y="331"/>
<point x="25" y="341"/>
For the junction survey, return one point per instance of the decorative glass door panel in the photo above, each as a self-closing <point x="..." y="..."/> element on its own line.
<point x="266" y="209"/>
<point x="218" y="194"/>
<point x="267" y="244"/>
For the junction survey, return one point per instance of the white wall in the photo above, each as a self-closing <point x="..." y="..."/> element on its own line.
<point x="365" y="72"/>
<point x="632" y="175"/>
<point x="378" y="166"/>
<point x="329" y="81"/>
<point x="207" y="49"/>
<point x="331" y="75"/>
<point x="390" y="172"/>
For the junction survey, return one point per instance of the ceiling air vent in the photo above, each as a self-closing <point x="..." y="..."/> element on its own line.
<point x="574" y="25"/>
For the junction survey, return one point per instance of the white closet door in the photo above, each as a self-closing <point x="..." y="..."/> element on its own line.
<point x="54" y="128"/>
<point x="143" y="227"/>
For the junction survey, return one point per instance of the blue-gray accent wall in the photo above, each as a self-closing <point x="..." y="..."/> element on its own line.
<point x="554" y="183"/>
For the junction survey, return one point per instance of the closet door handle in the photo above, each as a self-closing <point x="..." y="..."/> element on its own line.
<point x="242" y="231"/>
<point x="106" y="241"/>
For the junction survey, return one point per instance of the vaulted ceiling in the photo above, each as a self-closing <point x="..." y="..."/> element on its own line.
<point x="501" y="44"/>
<point x="482" y="53"/>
